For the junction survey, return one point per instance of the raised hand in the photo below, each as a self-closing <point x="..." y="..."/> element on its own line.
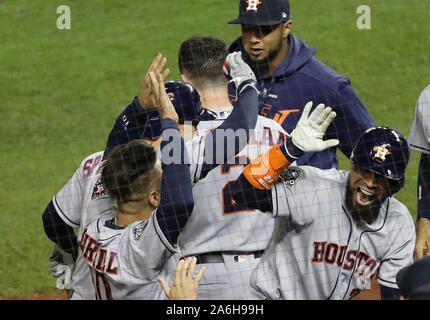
<point x="146" y="97"/>
<point x="310" y="129"/>
<point x="161" y="99"/>
<point x="236" y="70"/>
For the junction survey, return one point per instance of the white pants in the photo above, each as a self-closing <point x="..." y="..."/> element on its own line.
<point x="229" y="280"/>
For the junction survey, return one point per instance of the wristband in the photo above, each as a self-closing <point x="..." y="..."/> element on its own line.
<point x="263" y="172"/>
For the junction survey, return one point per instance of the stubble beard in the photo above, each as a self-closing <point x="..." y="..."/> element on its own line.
<point x="263" y="65"/>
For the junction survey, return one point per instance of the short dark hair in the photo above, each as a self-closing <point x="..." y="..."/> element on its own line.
<point x="202" y="59"/>
<point x="127" y="170"/>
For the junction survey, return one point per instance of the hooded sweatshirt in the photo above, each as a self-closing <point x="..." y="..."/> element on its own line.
<point x="301" y="78"/>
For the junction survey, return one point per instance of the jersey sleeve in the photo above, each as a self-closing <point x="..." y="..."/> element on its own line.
<point x="146" y="249"/>
<point x="400" y="251"/>
<point x="292" y="193"/>
<point x="69" y="200"/>
<point x="419" y="135"/>
<point x="301" y="192"/>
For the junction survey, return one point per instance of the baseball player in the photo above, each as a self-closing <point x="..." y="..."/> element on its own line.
<point x="334" y="229"/>
<point x="79" y="202"/>
<point x="83" y="200"/>
<point x="419" y="140"/>
<point x="289" y="76"/>
<point x="227" y="238"/>
<point x="127" y="253"/>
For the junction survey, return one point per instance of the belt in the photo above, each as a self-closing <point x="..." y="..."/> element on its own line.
<point x="217" y="257"/>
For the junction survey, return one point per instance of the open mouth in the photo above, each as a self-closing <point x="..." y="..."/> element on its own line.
<point x="365" y="197"/>
<point x="256" y="52"/>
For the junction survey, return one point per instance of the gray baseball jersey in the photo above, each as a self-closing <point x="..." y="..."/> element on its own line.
<point x="419" y="136"/>
<point x="218" y="224"/>
<point x="81" y="201"/>
<point x="318" y="251"/>
<point x="125" y="262"/>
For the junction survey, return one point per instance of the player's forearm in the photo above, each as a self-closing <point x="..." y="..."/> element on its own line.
<point x="244" y="193"/>
<point x="424" y="187"/>
<point x="252" y="188"/>
<point x="263" y="172"/>
<point x="177" y="200"/>
<point x="240" y="123"/>
<point x="128" y="125"/>
<point x="58" y="231"/>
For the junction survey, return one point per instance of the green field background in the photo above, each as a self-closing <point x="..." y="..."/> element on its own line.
<point x="60" y="90"/>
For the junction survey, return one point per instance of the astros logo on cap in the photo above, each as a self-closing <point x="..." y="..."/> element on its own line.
<point x="381" y="152"/>
<point x="252" y="5"/>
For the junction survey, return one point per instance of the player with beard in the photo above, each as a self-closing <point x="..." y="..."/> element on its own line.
<point x="334" y="229"/>
<point x="362" y="201"/>
<point x="277" y="47"/>
<point x="288" y="76"/>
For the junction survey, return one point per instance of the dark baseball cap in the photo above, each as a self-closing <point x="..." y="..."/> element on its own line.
<point x="414" y="280"/>
<point x="262" y="12"/>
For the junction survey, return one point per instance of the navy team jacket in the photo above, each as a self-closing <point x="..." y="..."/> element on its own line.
<point x="302" y="78"/>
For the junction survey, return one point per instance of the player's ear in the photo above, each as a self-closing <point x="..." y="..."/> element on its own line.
<point x="286" y="28"/>
<point x="154" y="195"/>
<point x="185" y="78"/>
<point x="154" y="198"/>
